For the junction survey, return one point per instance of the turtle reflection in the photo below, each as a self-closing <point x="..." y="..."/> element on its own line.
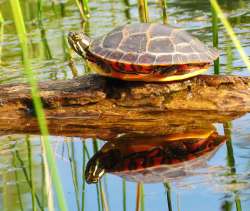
<point x="153" y="158"/>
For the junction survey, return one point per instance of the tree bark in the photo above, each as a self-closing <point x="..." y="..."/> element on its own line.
<point x="96" y="106"/>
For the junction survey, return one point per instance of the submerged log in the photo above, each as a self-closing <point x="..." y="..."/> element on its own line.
<point x="95" y="106"/>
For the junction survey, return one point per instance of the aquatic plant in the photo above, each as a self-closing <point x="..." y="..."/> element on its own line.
<point x="143" y="10"/>
<point x="22" y="35"/>
<point x="230" y="32"/>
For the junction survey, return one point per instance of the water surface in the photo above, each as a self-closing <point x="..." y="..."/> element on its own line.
<point x="221" y="185"/>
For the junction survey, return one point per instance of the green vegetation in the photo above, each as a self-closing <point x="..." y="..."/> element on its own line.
<point x="21" y="32"/>
<point x="40" y="21"/>
<point x="215" y="39"/>
<point x="143" y="10"/>
<point x="1" y="33"/>
<point x="124" y="197"/>
<point x="230" y="32"/>
<point x="168" y="192"/>
<point x="164" y="11"/>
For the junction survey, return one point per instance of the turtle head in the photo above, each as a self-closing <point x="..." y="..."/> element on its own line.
<point x="103" y="161"/>
<point x="79" y="42"/>
<point x="95" y="169"/>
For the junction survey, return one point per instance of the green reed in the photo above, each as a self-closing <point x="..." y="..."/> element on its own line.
<point x="143" y="10"/>
<point x="26" y="175"/>
<point x="231" y="161"/>
<point x="215" y="39"/>
<point x="164" y="11"/>
<point x="138" y="197"/>
<point x="230" y="32"/>
<point x="1" y="34"/>
<point x="83" y="8"/>
<point x="83" y="174"/>
<point x="27" y="140"/>
<point x="124" y="197"/>
<point x="85" y="5"/>
<point x="142" y="198"/>
<point x="73" y="166"/>
<point x="168" y="191"/>
<point x="127" y="10"/>
<point x="95" y="149"/>
<point x="42" y="29"/>
<point x="43" y="181"/>
<point x="22" y="35"/>
<point x="17" y="182"/>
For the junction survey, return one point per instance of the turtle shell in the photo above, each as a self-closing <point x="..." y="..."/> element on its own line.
<point x="147" y="44"/>
<point x="151" y="159"/>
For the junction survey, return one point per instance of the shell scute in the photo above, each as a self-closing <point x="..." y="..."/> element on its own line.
<point x="116" y="55"/>
<point x="147" y="58"/>
<point x="134" y="43"/>
<point x="161" y="45"/>
<point x="163" y="58"/>
<point x="112" y="41"/>
<point x="159" y="30"/>
<point x="184" y="48"/>
<point x="137" y="28"/>
<point x="131" y="58"/>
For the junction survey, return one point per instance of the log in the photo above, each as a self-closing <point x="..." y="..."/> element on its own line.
<point x="96" y="106"/>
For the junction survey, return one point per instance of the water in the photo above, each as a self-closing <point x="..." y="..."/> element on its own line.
<point x="223" y="184"/>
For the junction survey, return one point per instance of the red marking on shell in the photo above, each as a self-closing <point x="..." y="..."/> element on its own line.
<point x="154" y="152"/>
<point x="115" y="65"/>
<point x="139" y="163"/>
<point x="158" y="160"/>
<point x="128" y="68"/>
<point x="174" y="161"/>
<point x="191" y="157"/>
<point x="143" y="69"/>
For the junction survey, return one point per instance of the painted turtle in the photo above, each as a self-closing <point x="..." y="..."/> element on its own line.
<point x="144" y="51"/>
<point x="153" y="159"/>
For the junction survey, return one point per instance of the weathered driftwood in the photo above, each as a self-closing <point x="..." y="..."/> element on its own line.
<point x="95" y="106"/>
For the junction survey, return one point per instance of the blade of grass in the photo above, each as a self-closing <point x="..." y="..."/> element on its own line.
<point x="1" y="34"/>
<point x="215" y="39"/>
<point x="138" y="197"/>
<point x="80" y="9"/>
<point x="231" y="162"/>
<point x="31" y="173"/>
<point x="17" y="182"/>
<point x="95" y="149"/>
<point x="127" y="10"/>
<point x="226" y="206"/>
<point x="43" y="181"/>
<point x="22" y="35"/>
<point x="124" y="198"/>
<point x="143" y="10"/>
<point x="83" y="174"/>
<point x="103" y="197"/>
<point x="26" y="175"/>
<point x="48" y="183"/>
<point x="230" y="32"/>
<point x="168" y="191"/>
<point x="73" y="172"/>
<point x="142" y="197"/>
<point x="229" y="55"/>
<point x="100" y="190"/>
<point x="85" y="5"/>
<point x="164" y="11"/>
<point x="42" y="29"/>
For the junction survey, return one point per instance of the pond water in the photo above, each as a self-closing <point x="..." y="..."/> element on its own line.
<point x="222" y="182"/>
